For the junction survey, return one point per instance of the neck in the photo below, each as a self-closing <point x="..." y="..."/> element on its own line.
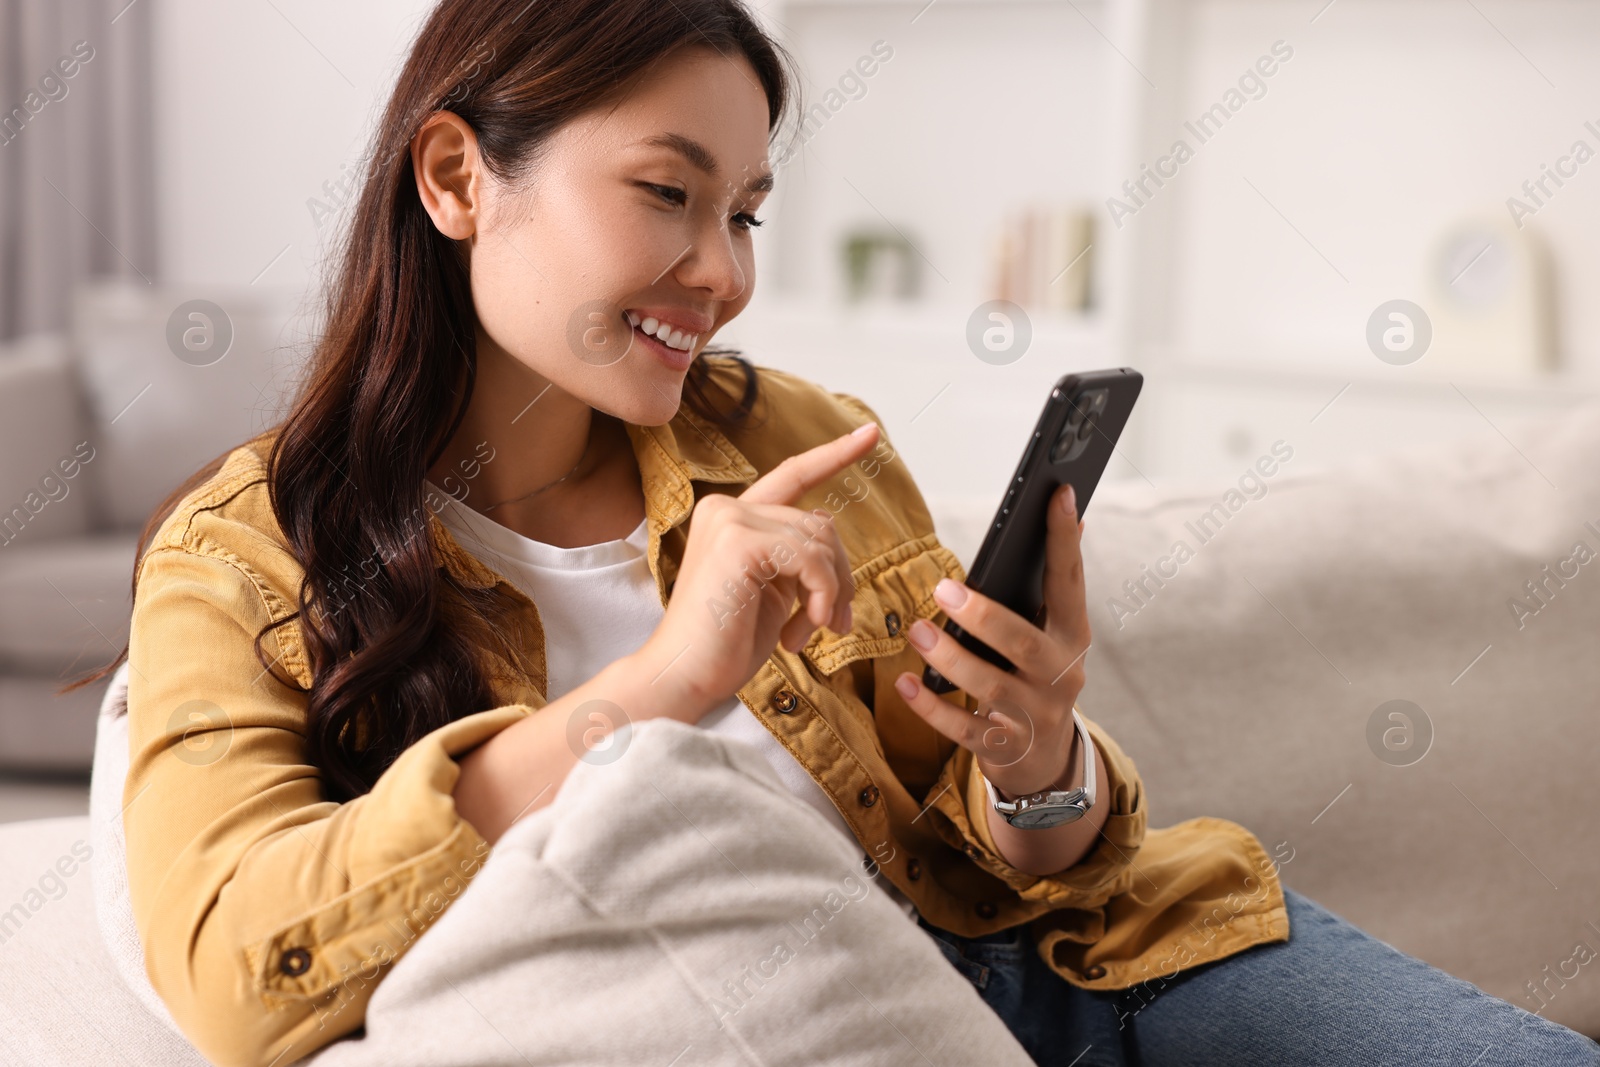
<point x="521" y="432"/>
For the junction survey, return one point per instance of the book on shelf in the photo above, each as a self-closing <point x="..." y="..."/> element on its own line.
<point x="1043" y="258"/>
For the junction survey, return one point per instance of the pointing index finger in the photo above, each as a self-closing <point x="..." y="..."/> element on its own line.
<point x="789" y="480"/>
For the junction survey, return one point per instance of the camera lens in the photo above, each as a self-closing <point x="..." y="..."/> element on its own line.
<point x="1062" y="443"/>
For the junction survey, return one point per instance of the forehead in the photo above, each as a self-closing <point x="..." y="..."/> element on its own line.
<point x="694" y="103"/>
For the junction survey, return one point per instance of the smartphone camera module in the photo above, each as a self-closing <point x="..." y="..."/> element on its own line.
<point x="1083" y="419"/>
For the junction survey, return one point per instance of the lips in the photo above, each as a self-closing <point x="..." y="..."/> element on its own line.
<point x="675" y="328"/>
<point x="674" y="358"/>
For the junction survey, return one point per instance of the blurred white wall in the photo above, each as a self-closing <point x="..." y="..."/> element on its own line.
<point x="1392" y="122"/>
<point x="257" y="106"/>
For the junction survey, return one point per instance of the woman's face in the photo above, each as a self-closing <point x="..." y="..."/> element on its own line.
<point x="633" y="216"/>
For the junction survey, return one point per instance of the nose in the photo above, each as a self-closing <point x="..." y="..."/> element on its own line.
<point x="716" y="261"/>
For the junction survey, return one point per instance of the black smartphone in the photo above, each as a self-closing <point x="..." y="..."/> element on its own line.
<point x="1072" y="442"/>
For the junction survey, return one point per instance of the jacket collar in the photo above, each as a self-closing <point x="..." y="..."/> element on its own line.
<point x="671" y="458"/>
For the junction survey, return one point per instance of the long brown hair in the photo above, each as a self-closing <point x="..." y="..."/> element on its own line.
<point x="392" y="375"/>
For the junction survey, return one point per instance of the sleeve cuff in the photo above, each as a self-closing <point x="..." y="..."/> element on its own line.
<point x="1105" y="871"/>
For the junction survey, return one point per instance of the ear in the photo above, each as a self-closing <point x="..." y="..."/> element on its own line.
<point x="444" y="155"/>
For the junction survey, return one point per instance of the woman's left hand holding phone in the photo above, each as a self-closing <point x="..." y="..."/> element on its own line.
<point x="1022" y="733"/>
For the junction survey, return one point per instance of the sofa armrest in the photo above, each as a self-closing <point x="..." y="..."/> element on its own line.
<point x="45" y="451"/>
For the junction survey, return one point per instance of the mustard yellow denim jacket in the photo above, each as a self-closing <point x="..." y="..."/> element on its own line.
<point x="268" y="912"/>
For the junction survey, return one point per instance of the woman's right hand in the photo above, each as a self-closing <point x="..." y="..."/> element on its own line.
<point x="747" y="559"/>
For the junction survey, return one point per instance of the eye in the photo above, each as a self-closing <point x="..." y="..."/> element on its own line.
<point x="673" y="195"/>
<point x="670" y="193"/>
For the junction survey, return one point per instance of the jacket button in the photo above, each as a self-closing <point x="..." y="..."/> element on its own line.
<point x="891" y="622"/>
<point x="295" y="962"/>
<point x="784" y="701"/>
<point x="913" y="868"/>
<point x="1096" y="971"/>
<point x="986" y="909"/>
<point x="868" y="796"/>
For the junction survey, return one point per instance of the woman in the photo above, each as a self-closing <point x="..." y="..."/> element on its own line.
<point x="336" y="655"/>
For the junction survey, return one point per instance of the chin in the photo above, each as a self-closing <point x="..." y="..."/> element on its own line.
<point x="635" y="399"/>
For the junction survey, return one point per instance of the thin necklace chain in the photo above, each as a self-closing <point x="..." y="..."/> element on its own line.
<point x="552" y="485"/>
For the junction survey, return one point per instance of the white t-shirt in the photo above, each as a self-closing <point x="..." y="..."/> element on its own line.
<point x="599" y="603"/>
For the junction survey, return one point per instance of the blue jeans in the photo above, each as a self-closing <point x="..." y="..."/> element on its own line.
<point x="1330" y="995"/>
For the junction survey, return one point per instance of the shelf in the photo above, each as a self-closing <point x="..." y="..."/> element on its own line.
<point x="925" y="320"/>
<point x="1335" y="370"/>
<point x="972" y="111"/>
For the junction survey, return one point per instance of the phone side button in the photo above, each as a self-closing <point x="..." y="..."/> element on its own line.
<point x="1027" y="455"/>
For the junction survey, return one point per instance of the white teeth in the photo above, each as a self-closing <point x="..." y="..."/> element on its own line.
<point x="665" y="332"/>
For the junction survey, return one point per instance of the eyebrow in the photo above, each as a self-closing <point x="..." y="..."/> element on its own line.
<point x="697" y="154"/>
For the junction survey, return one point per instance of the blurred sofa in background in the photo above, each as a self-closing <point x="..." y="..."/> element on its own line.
<point x="111" y="403"/>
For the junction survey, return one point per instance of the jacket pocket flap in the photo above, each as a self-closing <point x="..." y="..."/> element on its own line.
<point x="892" y="591"/>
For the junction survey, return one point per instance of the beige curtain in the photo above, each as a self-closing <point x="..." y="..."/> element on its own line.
<point x="77" y="190"/>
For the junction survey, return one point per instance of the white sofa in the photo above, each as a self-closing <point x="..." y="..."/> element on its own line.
<point x="1253" y="685"/>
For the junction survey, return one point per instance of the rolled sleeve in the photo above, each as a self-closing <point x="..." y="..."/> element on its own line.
<point x="1105" y="871"/>
<point x="265" y="910"/>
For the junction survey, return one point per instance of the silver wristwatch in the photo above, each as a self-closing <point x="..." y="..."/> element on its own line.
<point x="1051" y="807"/>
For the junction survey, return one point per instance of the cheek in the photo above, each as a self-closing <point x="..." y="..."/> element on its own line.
<point x="516" y="307"/>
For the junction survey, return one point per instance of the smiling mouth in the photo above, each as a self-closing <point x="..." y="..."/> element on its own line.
<point x="667" y="334"/>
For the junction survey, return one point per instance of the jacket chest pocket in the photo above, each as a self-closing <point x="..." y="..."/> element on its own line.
<point x="892" y="591"/>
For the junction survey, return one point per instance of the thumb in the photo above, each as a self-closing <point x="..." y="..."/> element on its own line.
<point x="1064" y="595"/>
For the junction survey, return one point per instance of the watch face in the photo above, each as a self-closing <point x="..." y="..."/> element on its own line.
<point x="1044" y="818"/>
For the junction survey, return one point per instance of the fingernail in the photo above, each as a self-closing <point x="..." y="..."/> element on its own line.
<point x="862" y="429"/>
<point x="922" y="634"/>
<point x="1069" y="500"/>
<point x="950" y="593"/>
<point x="906" y="685"/>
